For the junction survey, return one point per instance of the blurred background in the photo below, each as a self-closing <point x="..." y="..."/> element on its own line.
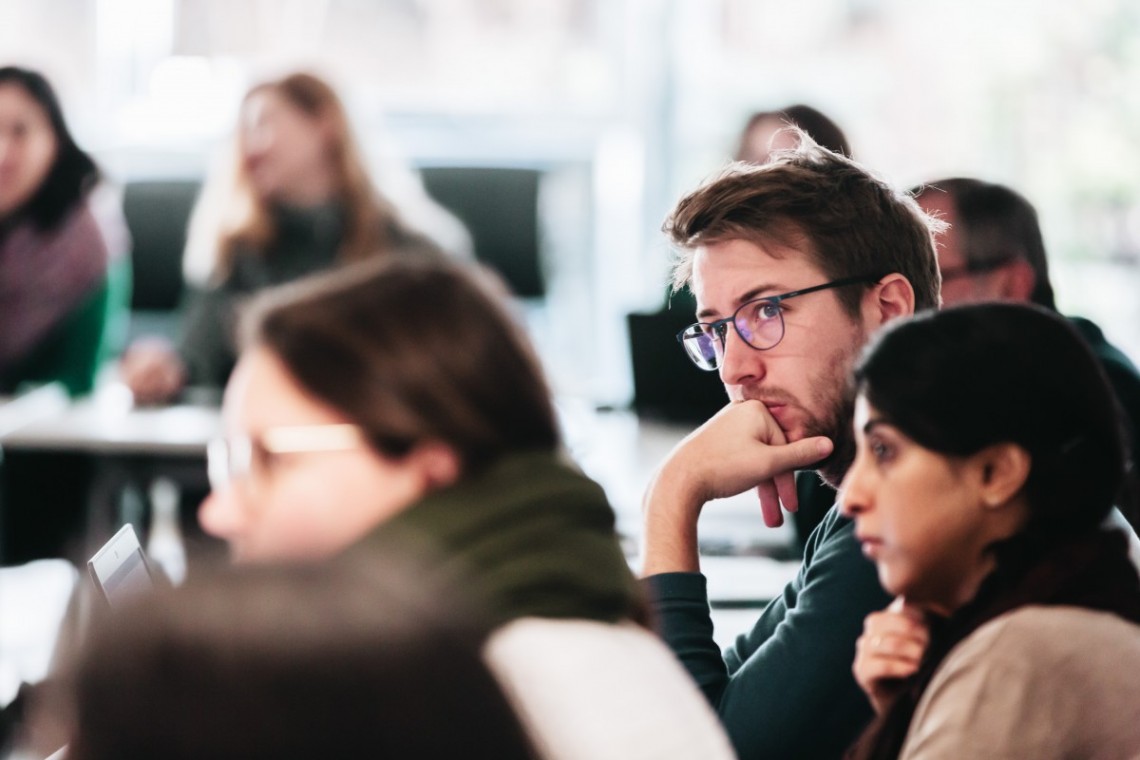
<point x="622" y="106"/>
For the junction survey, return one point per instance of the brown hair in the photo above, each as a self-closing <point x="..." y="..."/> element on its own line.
<point x="997" y="224"/>
<point x="849" y="223"/>
<point x="370" y="221"/>
<point x="822" y="129"/>
<point x="412" y="351"/>
<point x="300" y="661"/>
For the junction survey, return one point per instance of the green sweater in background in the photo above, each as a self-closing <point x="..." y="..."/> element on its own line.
<point x="784" y="689"/>
<point x="90" y="336"/>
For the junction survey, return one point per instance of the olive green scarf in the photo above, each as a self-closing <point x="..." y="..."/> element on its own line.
<point x="530" y="536"/>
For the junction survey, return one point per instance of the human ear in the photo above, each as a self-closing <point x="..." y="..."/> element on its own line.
<point x="436" y="464"/>
<point x="1018" y="280"/>
<point x="891" y="298"/>
<point x="1003" y="469"/>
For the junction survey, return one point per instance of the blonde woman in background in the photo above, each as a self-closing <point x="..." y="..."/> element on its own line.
<point x="295" y="199"/>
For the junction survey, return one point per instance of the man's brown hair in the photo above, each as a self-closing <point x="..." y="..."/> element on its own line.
<point x="849" y="222"/>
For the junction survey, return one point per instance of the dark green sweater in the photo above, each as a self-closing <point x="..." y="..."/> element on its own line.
<point x="785" y="689"/>
<point x="528" y="537"/>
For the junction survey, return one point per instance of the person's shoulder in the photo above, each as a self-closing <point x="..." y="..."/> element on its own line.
<point x="835" y="576"/>
<point x="102" y="210"/>
<point x="1038" y="633"/>
<point x="1079" y="665"/>
<point x="592" y="689"/>
<point x="1038" y="646"/>
<point x="833" y="537"/>
<point x="1116" y="362"/>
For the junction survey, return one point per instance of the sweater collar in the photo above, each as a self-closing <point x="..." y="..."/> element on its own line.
<point x="529" y="536"/>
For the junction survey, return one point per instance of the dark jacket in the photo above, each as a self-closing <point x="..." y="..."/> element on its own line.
<point x="785" y="689"/>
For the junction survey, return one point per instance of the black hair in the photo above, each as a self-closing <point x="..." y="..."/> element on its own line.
<point x="72" y="173"/>
<point x="965" y="378"/>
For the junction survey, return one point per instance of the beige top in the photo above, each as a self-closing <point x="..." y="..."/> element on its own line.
<point x="1039" y="682"/>
<point x="595" y="691"/>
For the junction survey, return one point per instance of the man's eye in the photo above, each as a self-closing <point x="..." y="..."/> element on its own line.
<point x="768" y="310"/>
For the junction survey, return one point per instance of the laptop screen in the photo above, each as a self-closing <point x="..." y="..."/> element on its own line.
<point x="120" y="569"/>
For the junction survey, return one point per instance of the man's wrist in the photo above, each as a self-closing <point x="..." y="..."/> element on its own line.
<point x="671" y="510"/>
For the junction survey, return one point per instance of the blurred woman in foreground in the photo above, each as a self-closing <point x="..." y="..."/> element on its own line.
<point x="395" y="405"/>
<point x="989" y="454"/>
<point x="64" y="271"/>
<point x="296" y="199"/>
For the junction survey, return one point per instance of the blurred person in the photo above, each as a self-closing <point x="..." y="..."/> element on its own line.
<point x="993" y="250"/>
<point x="794" y="264"/>
<point x="766" y="132"/>
<point x="351" y="659"/>
<point x="396" y="404"/>
<point x="989" y="454"/>
<point x="295" y="199"/>
<point x="64" y="269"/>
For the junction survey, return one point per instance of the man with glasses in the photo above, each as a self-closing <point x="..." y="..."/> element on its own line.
<point x="794" y="264"/>
<point x="993" y="250"/>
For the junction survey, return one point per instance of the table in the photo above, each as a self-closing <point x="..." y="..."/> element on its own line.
<point x="126" y="447"/>
<point x="66" y="469"/>
<point x="621" y="451"/>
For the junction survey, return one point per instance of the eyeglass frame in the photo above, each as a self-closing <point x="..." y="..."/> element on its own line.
<point x="284" y="439"/>
<point x="720" y="326"/>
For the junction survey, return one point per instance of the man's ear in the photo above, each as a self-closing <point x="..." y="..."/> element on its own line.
<point x="891" y="298"/>
<point x="1018" y="281"/>
<point x="1003" y="469"/>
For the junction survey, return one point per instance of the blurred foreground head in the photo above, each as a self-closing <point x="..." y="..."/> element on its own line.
<point x="299" y="662"/>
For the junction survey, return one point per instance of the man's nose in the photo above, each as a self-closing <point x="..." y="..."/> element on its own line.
<point x="741" y="363"/>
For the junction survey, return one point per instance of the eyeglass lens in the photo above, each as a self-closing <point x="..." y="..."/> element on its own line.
<point x="228" y="459"/>
<point x="759" y="323"/>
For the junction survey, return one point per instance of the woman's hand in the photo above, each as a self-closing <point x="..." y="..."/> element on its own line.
<point x="890" y="651"/>
<point x="153" y="371"/>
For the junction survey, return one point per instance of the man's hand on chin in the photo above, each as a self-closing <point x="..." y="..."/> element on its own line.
<point x="741" y="447"/>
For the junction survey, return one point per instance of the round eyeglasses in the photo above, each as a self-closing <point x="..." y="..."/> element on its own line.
<point x="759" y="323"/>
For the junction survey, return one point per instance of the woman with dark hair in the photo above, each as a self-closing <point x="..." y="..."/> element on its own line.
<point x="989" y="454"/>
<point x="294" y="198"/>
<point x="64" y="273"/>
<point x="396" y="404"/>
<point x="290" y="662"/>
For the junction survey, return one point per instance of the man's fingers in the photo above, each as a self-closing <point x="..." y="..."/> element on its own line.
<point x="799" y="455"/>
<point x="770" y="504"/>
<point x="786" y="487"/>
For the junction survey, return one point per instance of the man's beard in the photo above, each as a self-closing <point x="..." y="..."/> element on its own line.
<point x="838" y="427"/>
